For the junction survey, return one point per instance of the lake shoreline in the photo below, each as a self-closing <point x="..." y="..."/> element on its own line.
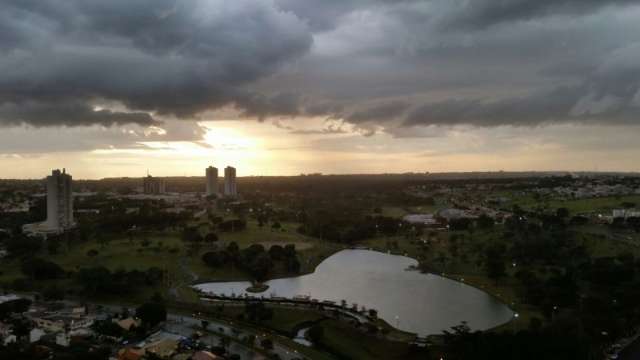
<point x="483" y="310"/>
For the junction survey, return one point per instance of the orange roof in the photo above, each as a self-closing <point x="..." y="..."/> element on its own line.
<point x="130" y="354"/>
<point x="204" y="355"/>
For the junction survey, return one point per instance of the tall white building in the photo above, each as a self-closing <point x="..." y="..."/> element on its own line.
<point x="59" y="205"/>
<point x="212" y="181"/>
<point x="230" y="187"/>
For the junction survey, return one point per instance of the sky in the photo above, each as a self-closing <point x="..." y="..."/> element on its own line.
<point x="283" y="87"/>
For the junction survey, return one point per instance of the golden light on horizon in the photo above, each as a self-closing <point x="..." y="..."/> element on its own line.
<point x="228" y="138"/>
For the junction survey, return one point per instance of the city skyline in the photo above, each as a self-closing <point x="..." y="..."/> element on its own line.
<point x="320" y="179"/>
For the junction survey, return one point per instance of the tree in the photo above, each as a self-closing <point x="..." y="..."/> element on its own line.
<point x="293" y="265"/>
<point x="211" y="238"/>
<point x="562" y="213"/>
<point x="276" y="252"/>
<point x="151" y="314"/>
<point x="495" y="262"/>
<point x="14" y="307"/>
<point x="95" y="280"/>
<point x="290" y="250"/>
<point x="53" y="245"/>
<point x="260" y="266"/>
<point x="485" y="222"/>
<point x="215" y="258"/>
<point x="53" y="293"/>
<point x="233" y="250"/>
<point x="315" y="334"/>
<point x="21" y="245"/>
<point x="191" y="234"/>
<point x="40" y="269"/>
<point x="267" y="344"/>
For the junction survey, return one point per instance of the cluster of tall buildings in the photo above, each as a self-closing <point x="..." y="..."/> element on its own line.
<point x="157" y="186"/>
<point x="60" y="197"/>
<point x="230" y="188"/>
<point x="59" y="206"/>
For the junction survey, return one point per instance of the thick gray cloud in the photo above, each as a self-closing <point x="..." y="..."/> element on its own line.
<point x="260" y="106"/>
<point x="556" y="69"/>
<point x="385" y="111"/>
<point x="610" y="95"/>
<point x="482" y="13"/>
<point x="155" y="56"/>
<point x="451" y="62"/>
<point x="68" y="113"/>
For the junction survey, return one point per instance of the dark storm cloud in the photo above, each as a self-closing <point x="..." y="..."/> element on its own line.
<point x="609" y="95"/>
<point x="483" y="13"/>
<point x="339" y="59"/>
<point x="528" y="110"/>
<point x="154" y="56"/>
<point x="557" y="69"/>
<point x="386" y="111"/>
<point x="68" y="114"/>
<point x="261" y="106"/>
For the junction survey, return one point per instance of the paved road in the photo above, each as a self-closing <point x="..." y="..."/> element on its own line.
<point x="178" y="325"/>
<point x="187" y="325"/>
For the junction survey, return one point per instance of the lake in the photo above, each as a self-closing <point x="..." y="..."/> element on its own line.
<point x="407" y="299"/>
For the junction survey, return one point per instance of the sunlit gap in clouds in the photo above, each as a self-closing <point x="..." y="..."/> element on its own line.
<point x="221" y="145"/>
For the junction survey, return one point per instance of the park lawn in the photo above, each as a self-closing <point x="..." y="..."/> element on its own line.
<point x="10" y="271"/>
<point x="114" y="255"/>
<point x="349" y="343"/>
<point x="288" y="234"/>
<point x="123" y="254"/>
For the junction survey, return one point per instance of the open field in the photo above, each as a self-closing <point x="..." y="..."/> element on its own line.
<point x="575" y="206"/>
<point x="349" y="343"/>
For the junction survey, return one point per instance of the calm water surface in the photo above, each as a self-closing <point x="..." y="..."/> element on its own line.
<point x="409" y="300"/>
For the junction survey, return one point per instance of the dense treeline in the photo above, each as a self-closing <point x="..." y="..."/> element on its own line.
<point x="563" y="341"/>
<point x="255" y="260"/>
<point x="336" y="227"/>
<point x="557" y="274"/>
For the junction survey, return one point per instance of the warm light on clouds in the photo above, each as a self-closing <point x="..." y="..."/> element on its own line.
<point x="228" y="138"/>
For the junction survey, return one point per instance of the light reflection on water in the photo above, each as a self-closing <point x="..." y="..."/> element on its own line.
<point x="415" y="302"/>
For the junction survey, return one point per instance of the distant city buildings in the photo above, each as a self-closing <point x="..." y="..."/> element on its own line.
<point x="230" y="187"/>
<point x="59" y="206"/>
<point x="153" y="185"/>
<point x="212" y="181"/>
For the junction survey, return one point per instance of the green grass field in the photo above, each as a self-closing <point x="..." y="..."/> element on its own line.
<point x="350" y="343"/>
<point x="183" y="263"/>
